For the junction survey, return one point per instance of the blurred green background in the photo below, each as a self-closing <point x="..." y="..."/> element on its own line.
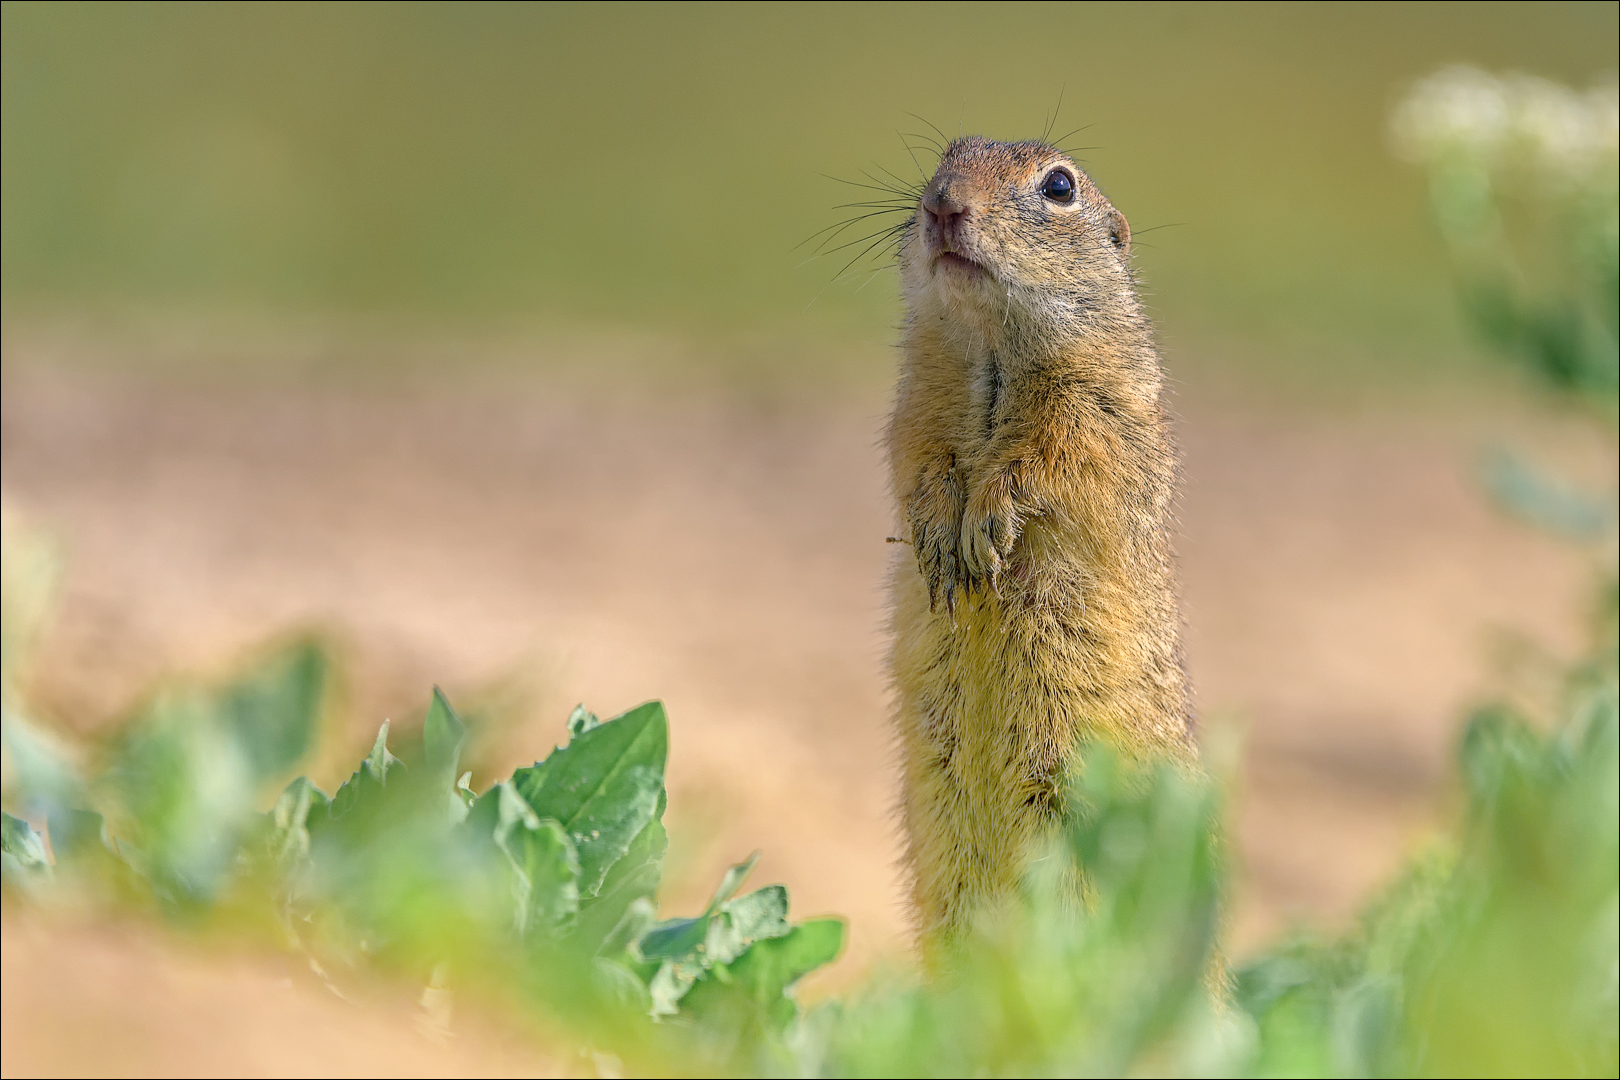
<point x="654" y="166"/>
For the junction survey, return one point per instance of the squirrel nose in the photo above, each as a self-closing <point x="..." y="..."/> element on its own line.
<point x="942" y="206"/>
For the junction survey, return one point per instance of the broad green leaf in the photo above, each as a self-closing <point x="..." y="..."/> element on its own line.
<point x="186" y="774"/>
<point x="603" y="787"/>
<point x="718" y="937"/>
<point x="674" y="939"/>
<point x="811" y="944"/>
<point x="740" y="922"/>
<point x="443" y="735"/>
<point x="669" y="984"/>
<point x="639" y="916"/>
<point x="544" y="858"/>
<point x="368" y="780"/>
<point x="689" y="952"/>
<point x="634" y="878"/>
<point x="289" y="819"/>
<point x="187" y="787"/>
<point x="22" y="852"/>
<point x="550" y="868"/>
<point x="273" y="711"/>
<point x="544" y="864"/>
<point x="751" y="991"/>
<point x="621" y="985"/>
<point x="685" y="939"/>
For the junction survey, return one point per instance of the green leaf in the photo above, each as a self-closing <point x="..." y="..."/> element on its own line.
<point x="751" y="991"/>
<point x="621" y="985"/>
<point x="188" y="788"/>
<point x="690" y="952"/>
<point x="684" y="939"/>
<point x="603" y="787"/>
<point x="443" y="736"/>
<point x="547" y="866"/>
<point x="289" y="820"/>
<point x="738" y="924"/>
<point x="669" y="984"/>
<point x="22" y="853"/>
<point x="273" y="711"/>
<point x="185" y="775"/>
<point x="542" y="858"/>
<point x="633" y="878"/>
<point x="674" y="939"/>
<point x="639" y="917"/>
<point x="550" y="867"/>
<point x="368" y="780"/>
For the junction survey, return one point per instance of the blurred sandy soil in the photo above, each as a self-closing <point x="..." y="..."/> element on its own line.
<point x="529" y="544"/>
<point x="121" y="1000"/>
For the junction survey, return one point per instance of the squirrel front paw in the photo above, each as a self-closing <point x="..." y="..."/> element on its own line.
<point x="991" y="526"/>
<point x="935" y="516"/>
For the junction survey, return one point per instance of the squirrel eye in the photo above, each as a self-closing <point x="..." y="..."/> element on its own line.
<point x="1058" y="186"/>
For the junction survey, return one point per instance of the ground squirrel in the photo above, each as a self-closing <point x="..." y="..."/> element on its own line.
<point x="1032" y="460"/>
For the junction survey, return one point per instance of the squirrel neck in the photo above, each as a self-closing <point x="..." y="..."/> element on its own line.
<point x="1108" y="344"/>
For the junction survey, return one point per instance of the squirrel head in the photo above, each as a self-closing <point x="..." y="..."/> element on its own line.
<point x="1007" y="231"/>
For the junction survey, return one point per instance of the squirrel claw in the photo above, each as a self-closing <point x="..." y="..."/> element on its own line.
<point x="935" y="517"/>
<point x="990" y="530"/>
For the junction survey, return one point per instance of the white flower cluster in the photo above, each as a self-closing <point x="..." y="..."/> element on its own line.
<point x="1507" y="119"/>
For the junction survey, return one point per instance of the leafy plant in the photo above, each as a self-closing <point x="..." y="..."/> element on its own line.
<point x="1495" y="952"/>
<point x="540" y="887"/>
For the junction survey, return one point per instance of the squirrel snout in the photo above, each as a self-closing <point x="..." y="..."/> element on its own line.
<point x="945" y="212"/>
<point x="940" y="203"/>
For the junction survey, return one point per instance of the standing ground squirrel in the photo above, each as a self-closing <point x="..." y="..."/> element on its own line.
<point x="1032" y="460"/>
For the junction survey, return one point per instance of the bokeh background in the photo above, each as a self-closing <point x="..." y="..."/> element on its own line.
<point x="484" y="339"/>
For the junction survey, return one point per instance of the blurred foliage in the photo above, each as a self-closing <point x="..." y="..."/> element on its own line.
<point x="539" y="890"/>
<point x="656" y="165"/>
<point x="1495" y="954"/>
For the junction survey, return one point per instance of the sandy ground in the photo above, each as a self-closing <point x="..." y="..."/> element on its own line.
<point x="522" y="541"/>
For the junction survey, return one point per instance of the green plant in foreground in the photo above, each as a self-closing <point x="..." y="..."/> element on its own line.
<point x="540" y="888"/>
<point x="1493" y="954"/>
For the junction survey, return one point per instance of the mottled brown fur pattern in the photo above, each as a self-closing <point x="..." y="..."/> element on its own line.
<point x="1031" y="458"/>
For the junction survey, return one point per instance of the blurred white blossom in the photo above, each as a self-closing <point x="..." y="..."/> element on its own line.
<point x="1523" y="176"/>
<point x="1503" y="120"/>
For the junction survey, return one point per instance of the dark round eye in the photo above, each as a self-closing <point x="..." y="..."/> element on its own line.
<point x="1058" y="186"/>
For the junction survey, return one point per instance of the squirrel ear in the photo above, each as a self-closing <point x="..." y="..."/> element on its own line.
<point x="1119" y="231"/>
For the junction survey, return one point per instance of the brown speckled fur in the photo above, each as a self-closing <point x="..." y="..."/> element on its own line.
<point x="1032" y="461"/>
